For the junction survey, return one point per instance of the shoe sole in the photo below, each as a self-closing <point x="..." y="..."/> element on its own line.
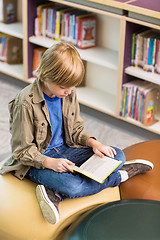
<point x="139" y="161"/>
<point x="48" y="209"/>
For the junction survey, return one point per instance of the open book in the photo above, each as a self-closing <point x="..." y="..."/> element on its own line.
<point x="98" y="168"/>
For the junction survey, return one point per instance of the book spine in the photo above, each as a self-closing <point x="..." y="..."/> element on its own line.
<point x="133" y="49"/>
<point x="4" y="44"/>
<point x="121" y="106"/>
<point x="35" y="60"/>
<point x="57" y="25"/>
<point x="154" y="54"/>
<point x="157" y="65"/>
<point x="36" y="27"/>
<point x="136" y="51"/>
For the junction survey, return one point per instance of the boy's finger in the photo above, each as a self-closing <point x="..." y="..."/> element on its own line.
<point x="68" y="167"/>
<point x="98" y="153"/>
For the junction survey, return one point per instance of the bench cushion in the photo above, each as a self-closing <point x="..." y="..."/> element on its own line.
<point x="21" y="217"/>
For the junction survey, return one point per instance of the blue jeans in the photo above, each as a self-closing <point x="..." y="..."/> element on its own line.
<point x="70" y="185"/>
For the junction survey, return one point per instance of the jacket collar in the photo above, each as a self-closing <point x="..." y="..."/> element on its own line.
<point x="37" y="91"/>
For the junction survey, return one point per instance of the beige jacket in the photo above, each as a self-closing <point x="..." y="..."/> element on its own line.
<point x="31" y="129"/>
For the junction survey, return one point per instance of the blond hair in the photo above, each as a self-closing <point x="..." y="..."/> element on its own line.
<point x="61" y="64"/>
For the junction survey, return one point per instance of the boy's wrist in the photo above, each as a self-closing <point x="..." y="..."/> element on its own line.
<point x="91" y="141"/>
<point x="46" y="162"/>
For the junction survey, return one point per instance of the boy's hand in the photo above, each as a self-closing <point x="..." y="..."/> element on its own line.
<point x="58" y="164"/>
<point x="100" y="149"/>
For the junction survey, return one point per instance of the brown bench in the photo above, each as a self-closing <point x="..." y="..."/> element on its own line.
<point x="143" y="186"/>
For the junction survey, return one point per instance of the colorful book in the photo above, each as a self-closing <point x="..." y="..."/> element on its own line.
<point x="10" y="49"/>
<point x="87" y="31"/>
<point x="9" y="11"/>
<point x="39" y="16"/>
<point x="135" y="100"/>
<point x="149" y="108"/>
<point x="37" y="54"/>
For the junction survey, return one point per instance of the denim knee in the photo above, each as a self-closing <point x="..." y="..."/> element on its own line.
<point x="120" y="156"/>
<point x="72" y="190"/>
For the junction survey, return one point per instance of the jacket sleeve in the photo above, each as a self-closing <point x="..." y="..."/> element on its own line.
<point x="23" y="144"/>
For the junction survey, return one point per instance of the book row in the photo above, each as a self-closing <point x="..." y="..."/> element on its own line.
<point x="146" y="50"/>
<point x="10" y="49"/>
<point x="66" y="24"/>
<point x="139" y="101"/>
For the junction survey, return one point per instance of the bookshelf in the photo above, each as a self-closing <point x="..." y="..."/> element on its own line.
<point x="16" y="30"/>
<point x="101" y="60"/>
<point x="108" y="65"/>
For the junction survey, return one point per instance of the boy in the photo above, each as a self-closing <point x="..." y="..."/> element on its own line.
<point x="48" y="136"/>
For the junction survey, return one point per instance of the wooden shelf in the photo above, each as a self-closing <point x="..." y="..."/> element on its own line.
<point x="140" y="73"/>
<point x="13" y="29"/>
<point x="14" y="70"/>
<point x="96" y="99"/>
<point x="155" y="128"/>
<point x="98" y="55"/>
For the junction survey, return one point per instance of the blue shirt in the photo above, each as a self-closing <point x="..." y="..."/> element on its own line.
<point x="55" y="112"/>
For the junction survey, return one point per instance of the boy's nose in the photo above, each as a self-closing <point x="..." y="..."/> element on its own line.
<point x="68" y="91"/>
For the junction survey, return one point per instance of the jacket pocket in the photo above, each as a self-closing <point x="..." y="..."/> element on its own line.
<point x="41" y="130"/>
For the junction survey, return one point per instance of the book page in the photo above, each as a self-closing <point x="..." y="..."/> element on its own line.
<point x="98" y="168"/>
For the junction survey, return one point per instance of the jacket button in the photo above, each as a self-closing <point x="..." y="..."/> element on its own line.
<point x="72" y="113"/>
<point x="43" y="124"/>
<point x="21" y="175"/>
<point x="31" y="95"/>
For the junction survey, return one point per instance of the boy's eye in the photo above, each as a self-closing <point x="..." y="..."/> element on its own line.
<point x="62" y="87"/>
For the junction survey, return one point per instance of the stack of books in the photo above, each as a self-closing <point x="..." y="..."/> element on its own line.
<point x="10" y="49"/>
<point x="62" y="23"/>
<point x="139" y="101"/>
<point x="146" y="50"/>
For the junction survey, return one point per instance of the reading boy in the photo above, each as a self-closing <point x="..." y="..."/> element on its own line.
<point x="48" y="136"/>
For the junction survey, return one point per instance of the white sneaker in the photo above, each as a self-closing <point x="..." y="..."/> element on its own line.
<point x="48" y="202"/>
<point x="137" y="166"/>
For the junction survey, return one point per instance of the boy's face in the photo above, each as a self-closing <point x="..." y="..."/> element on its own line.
<point x="54" y="90"/>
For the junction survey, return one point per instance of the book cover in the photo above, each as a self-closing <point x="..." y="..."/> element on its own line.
<point x="9" y="11"/>
<point x="87" y="31"/>
<point x="149" y="108"/>
<point x="98" y="168"/>
<point x="3" y="46"/>
<point x="14" y="50"/>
